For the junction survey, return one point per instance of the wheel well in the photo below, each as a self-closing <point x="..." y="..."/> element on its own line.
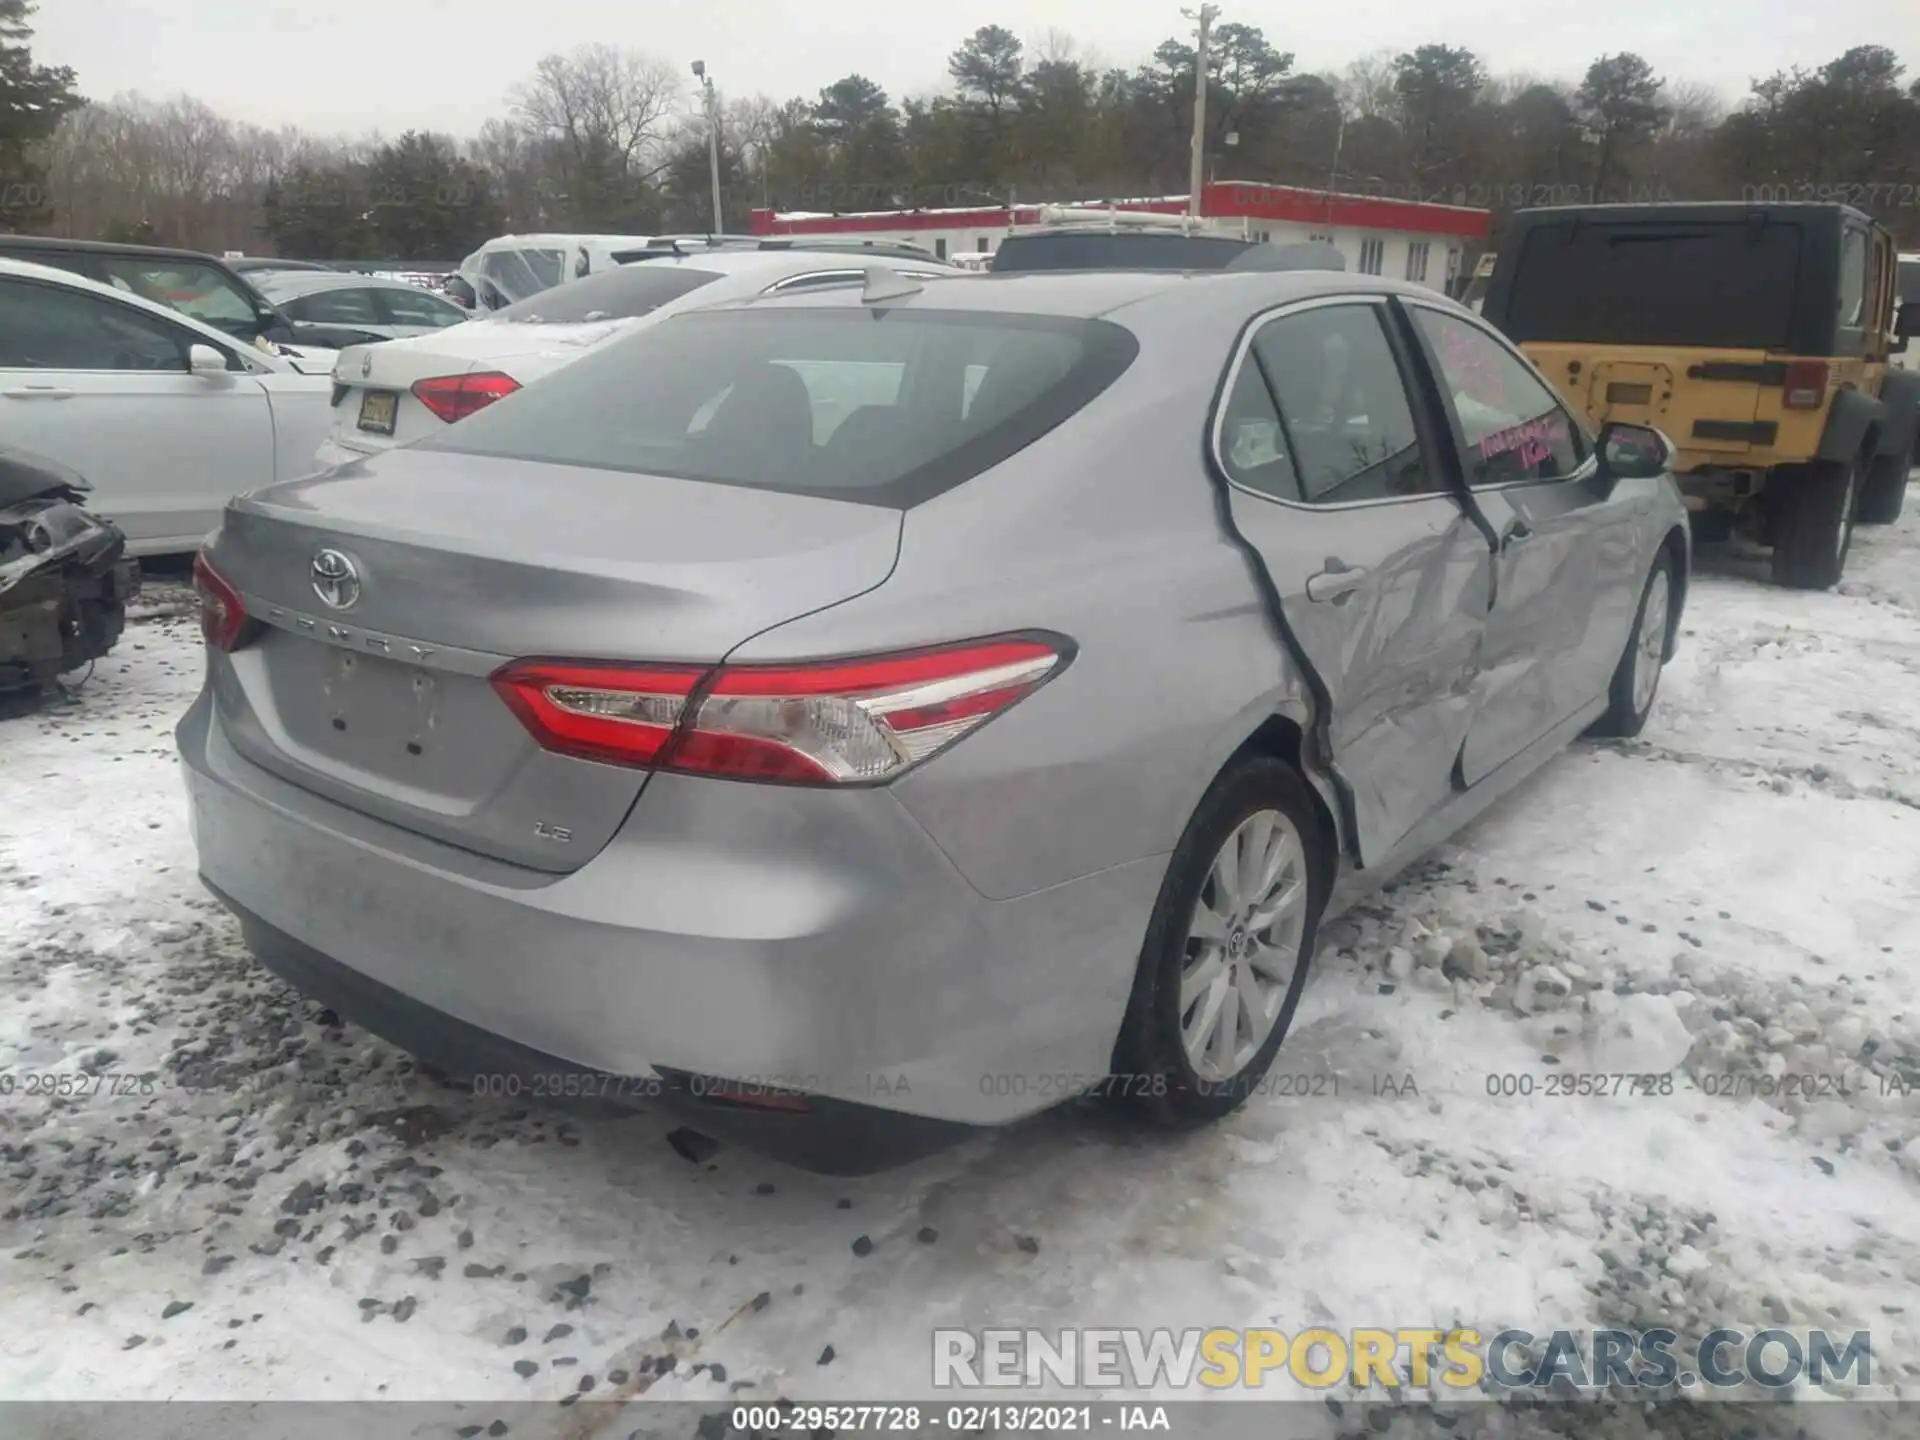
<point x="1279" y="738"/>
<point x="1676" y="543"/>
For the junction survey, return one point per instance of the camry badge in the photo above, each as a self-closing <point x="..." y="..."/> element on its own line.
<point x="336" y="580"/>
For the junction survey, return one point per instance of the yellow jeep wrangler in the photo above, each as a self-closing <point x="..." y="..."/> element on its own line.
<point x="1756" y="337"/>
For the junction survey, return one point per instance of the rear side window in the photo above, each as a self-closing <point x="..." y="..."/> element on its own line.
<point x="611" y="295"/>
<point x="1852" y="307"/>
<point x="1727" y="285"/>
<point x="417" y="307"/>
<point x="334" y="307"/>
<point x="812" y="402"/>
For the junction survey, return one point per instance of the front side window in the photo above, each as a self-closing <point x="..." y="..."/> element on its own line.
<point x="334" y="307"/>
<point x="1512" y="426"/>
<point x="197" y="290"/>
<point x="45" y="327"/>
<point x="1346" y="427"/>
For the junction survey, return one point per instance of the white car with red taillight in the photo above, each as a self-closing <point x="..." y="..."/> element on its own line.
<point x="402" y="390"/>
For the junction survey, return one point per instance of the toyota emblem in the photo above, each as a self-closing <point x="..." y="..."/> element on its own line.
<point x="336" y="579"/>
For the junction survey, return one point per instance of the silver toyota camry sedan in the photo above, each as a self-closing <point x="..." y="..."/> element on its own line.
<point x="859" y="717"/>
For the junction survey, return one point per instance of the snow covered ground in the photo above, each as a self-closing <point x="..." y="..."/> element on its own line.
<point x="287" y="1210"/>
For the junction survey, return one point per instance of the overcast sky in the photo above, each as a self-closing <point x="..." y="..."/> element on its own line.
<point x="354" y="66"/>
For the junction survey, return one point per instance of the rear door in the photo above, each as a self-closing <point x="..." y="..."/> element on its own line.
<point x="1567" y="561"/>
<point x="104" y="387"/>
<point x="1337" y="480"/>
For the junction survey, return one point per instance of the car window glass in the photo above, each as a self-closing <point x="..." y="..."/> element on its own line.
<point x="1253" y="447"/>
<point x="1513" y="426"/>
<point x="417" y="307"/>
<point x="1853" y="278"/>
<point x="513" y="274"/>
<point x="45" y="327"/>
<point x="1344" y="406"/>
<point x="334" y="307"/>
<point x="197" y="290"/>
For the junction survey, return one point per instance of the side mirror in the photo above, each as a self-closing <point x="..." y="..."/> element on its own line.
<point x="204" y="360"/>
<point x="1906" y="324"/>
<point x="1633" y="452"/>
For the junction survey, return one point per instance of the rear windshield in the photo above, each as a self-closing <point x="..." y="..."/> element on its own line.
<point x="830" y="402"/>
<point x="1099" y="250"/>
<point x="610" y="295"/>
<point x="1725" y="285"/>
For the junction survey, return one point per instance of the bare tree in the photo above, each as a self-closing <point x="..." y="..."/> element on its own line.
<point x="610" y="114"/>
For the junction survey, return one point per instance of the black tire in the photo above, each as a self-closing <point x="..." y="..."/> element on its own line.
<point x="1884" y="492"/>
<point x="1813" y="517"/>
<point x="1627" y="713"/>
<point x="1153" y="1078"/>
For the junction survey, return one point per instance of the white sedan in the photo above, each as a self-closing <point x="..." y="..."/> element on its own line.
<point x="168" y="417"/>
<point x="402" y="390"/>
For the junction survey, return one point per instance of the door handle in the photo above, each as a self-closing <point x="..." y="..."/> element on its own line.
<point x="39" y="392"/>
<point x="1336" y="581"/>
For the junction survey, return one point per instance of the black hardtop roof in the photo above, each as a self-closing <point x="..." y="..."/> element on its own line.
<point x="106" y="247"/>
<point x="1692" y="212"/>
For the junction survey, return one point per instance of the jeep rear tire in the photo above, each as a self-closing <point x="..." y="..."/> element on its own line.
<point x="1812" y="522"/>
<point x="1884" y="491"/>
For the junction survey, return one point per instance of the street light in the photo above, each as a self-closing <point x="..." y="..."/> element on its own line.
<point x="713" y="136"/>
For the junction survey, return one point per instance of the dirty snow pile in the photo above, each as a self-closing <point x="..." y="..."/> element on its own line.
<point x="257" y="1201"/>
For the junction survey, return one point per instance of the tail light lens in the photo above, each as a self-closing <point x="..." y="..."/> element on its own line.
<point x="454" y="397"/>
<point x="1806" y="385"/>
<point x="835" y="723"/>
<point x="223" y="618"/>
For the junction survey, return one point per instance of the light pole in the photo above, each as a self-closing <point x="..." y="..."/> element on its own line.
<point x="1206" y="16"/>
<point x="713" y="137"/>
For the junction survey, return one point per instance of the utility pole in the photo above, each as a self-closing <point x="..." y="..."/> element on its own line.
<point x="1195" y="180"/>
<point x="713" y="137"/>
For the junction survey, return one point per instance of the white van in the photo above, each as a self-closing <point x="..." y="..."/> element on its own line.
<point x="510" y="268"/>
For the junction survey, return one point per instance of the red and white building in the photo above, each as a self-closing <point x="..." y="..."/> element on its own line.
<point x="1401" y="238"/>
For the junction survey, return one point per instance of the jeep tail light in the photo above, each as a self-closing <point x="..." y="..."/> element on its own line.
<point x="454" y="397"/>
<point x="836" y="722"/>
<point x="223" y="617"/>
<point x="1806" y="385"/>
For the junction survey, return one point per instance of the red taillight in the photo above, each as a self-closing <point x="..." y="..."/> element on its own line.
<point x="1806" y="385"/>
<point x="223" y="618"/>
<point x="833" y="723"/>
<point x="454" y="397"/>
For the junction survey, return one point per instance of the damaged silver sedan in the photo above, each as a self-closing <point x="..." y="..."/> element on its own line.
<point x="861" y="716"/>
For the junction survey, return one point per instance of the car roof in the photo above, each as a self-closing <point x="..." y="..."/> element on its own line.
<point x="290" y="283"/>
<point x="776" y="263"/>
<point x="107" y="247"/>
<point x="1692" y="212"/>
<point x="1092" y="294"/>
<point x="26" y="270"/>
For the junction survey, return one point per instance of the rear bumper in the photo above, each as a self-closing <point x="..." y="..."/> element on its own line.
<point x="830" y="1137"/>
<point x="802" y="940"/>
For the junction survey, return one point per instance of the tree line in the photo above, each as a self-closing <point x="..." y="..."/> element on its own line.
<point x="605" y="139"/>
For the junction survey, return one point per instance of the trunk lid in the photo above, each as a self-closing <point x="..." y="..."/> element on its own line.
<point x="524" y="351"/>
<point x="464" y="563"/>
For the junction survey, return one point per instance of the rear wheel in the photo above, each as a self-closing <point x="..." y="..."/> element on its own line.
<point x="1812" y="522"/>
<point x="1884" y="492"/>
<point x="1227" y="949"/>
